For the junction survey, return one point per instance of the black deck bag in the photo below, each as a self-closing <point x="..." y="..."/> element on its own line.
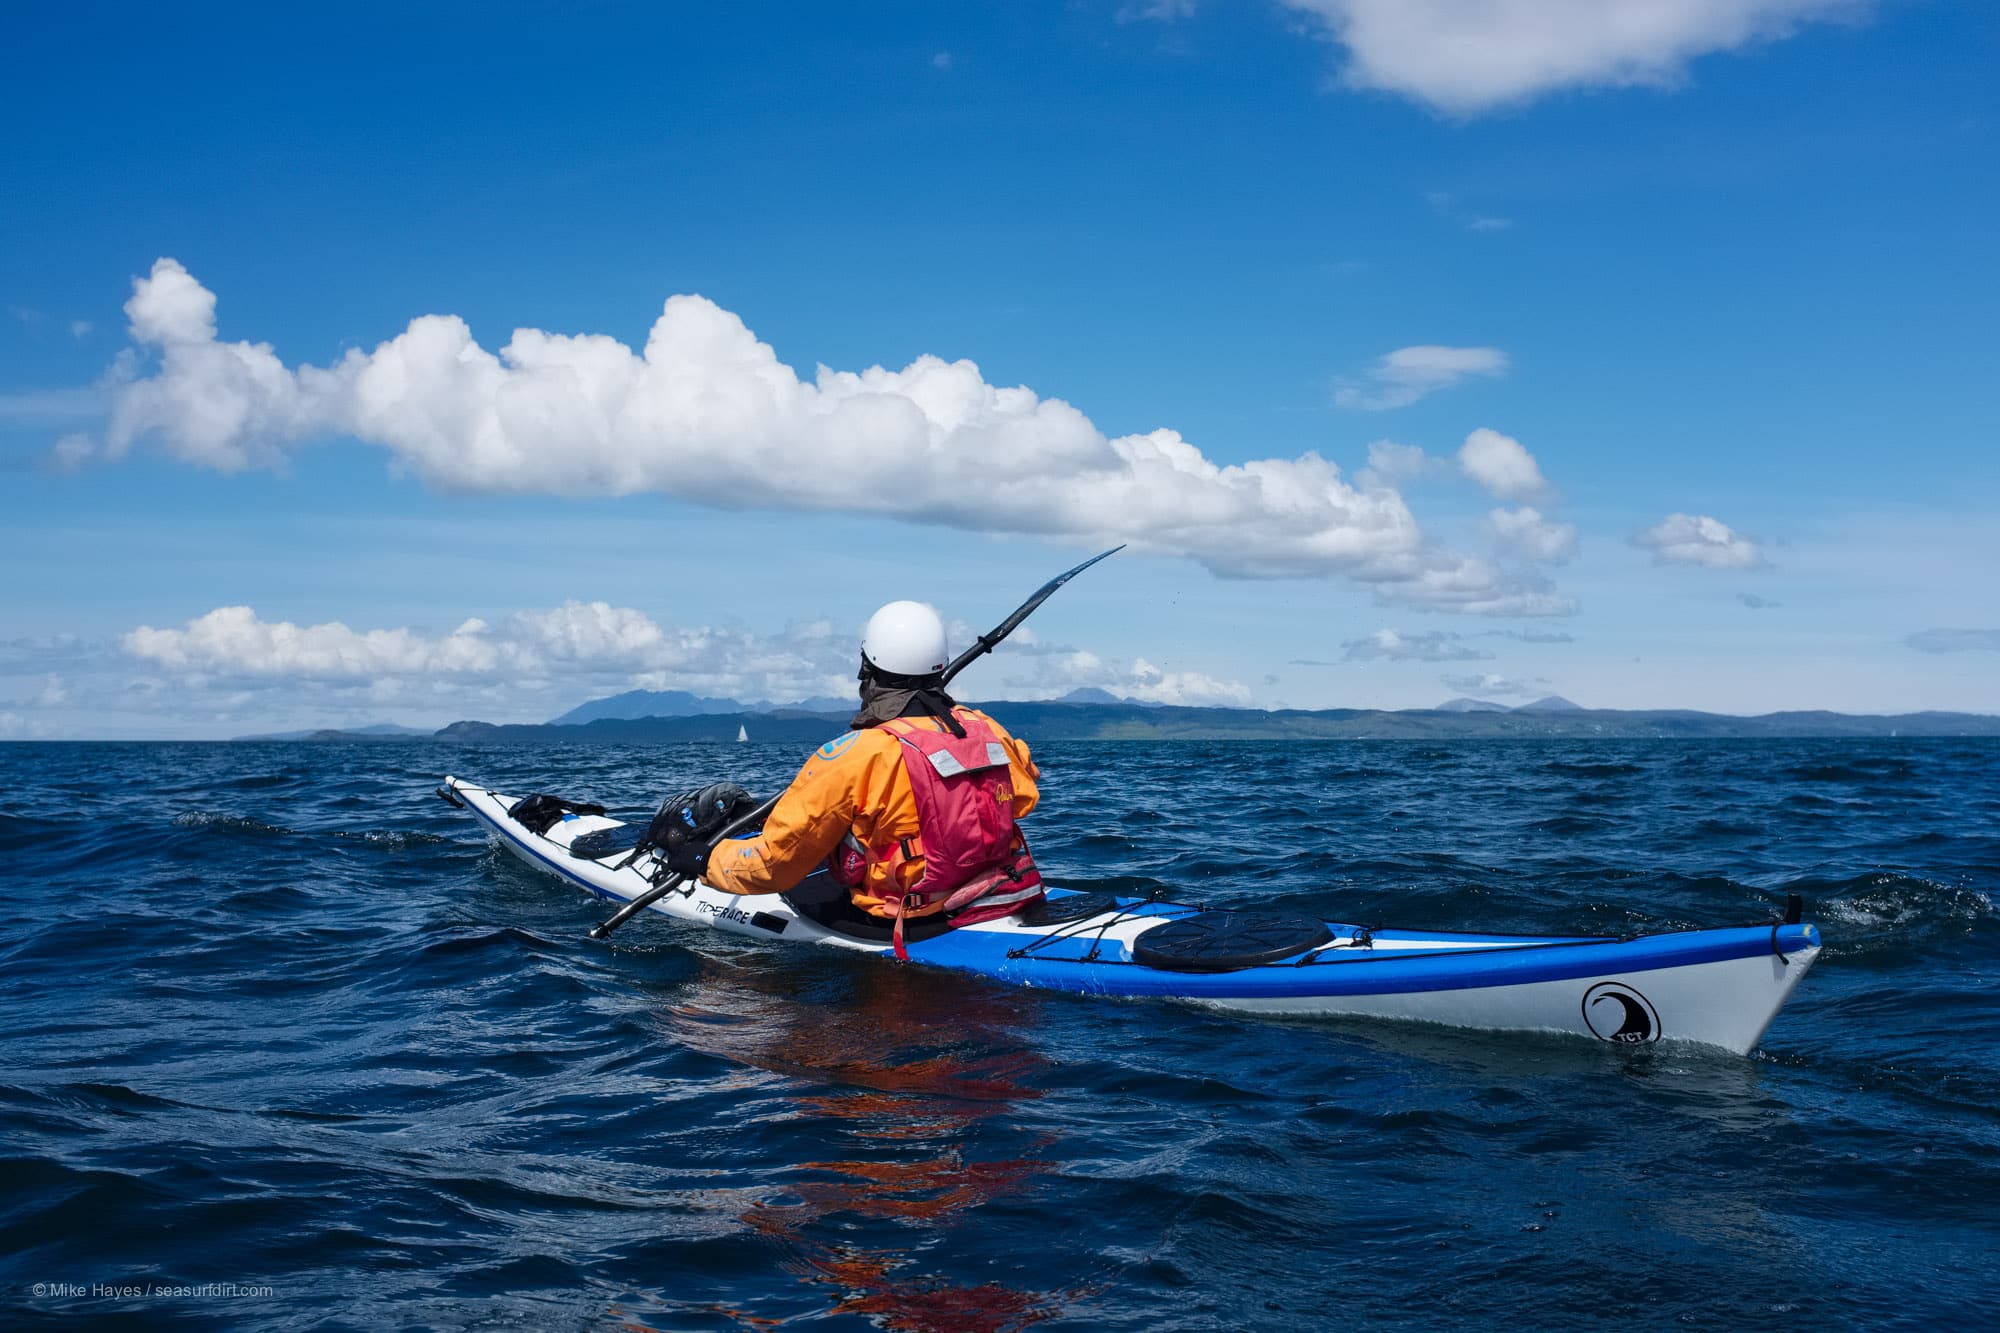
<point x="540" y="811"/>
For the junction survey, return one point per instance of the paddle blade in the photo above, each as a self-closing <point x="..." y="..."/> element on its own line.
<point x="1021" y="613"/>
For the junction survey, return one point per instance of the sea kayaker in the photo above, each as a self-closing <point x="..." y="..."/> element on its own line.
<point x="913" y="809"/>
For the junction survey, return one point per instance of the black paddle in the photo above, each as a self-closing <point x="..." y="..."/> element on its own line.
<point x="982" y="646"/>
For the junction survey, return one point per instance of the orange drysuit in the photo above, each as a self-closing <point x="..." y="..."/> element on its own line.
<point x="854" y="783"/>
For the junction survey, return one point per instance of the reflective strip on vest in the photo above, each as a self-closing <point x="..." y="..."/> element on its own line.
<point x="950" y="765"/>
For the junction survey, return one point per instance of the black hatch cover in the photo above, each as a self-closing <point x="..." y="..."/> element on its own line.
<point x="1228" y="940"/>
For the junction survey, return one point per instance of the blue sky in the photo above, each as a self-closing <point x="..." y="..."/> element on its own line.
<point x="1639" y="353"/>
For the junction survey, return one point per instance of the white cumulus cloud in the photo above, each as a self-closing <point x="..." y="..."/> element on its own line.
<point x="1396" y="646"/>
<point x="232" y="640"/>
<point x="1154" y="685"/>
<point x="1501" y="467"/>
<point x="707" y="413"/>
<point x="1696" y="539"/>
<point x="1467" y="56"/>
<point x="590" y="640"/>
<point x="1403" y="376"/>
<point x="579" y="648"/>
<point x="1029" y="668"/>
<point x="1526" y="532"/>
<point x="1487" y="685"/>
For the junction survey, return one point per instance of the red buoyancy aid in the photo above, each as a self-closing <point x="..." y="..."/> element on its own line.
<point x="976" y="863"/>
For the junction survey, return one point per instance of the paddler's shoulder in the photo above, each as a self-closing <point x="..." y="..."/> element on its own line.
<point x="987" y="718"/>
<point x="855" y="745"/>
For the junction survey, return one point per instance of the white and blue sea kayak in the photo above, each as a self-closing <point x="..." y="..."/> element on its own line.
<point x="1717" y="987"/>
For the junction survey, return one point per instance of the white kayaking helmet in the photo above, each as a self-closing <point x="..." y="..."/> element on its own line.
<point x="905" y="639"/>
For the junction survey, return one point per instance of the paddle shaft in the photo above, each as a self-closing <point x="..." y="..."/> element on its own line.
<point x="983" y="645"/>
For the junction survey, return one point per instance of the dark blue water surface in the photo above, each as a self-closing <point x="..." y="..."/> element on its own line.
<point x="276" y="1017"/>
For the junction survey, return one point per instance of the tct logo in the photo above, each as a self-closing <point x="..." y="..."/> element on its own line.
<point x="1616" y="1012"/>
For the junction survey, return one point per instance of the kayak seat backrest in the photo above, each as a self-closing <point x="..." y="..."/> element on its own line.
<point x="1227" y="941"/>
<point x="822" y="899"/>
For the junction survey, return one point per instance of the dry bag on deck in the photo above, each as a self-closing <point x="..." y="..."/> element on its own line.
<point x="540" y="811"/>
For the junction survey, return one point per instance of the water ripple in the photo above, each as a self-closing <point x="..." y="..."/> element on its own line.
<point x="277" y="1016"/>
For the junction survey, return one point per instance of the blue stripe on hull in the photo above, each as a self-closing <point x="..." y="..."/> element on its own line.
<point x="1370" y="974"/>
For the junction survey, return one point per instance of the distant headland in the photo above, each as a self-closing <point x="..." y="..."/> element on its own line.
<point x="1093" y="715"/>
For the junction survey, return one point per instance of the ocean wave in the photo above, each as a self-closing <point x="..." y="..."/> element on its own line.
<point x="1887" y="911"/>
<point x="282" y="1017"/>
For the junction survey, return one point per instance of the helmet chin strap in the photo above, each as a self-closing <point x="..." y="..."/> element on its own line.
<point x="872" y="674"/>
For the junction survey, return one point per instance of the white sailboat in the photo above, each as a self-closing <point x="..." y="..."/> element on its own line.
<point x="742" y="733"/>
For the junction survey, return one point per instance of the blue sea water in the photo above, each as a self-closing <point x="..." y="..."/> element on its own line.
<point x="287" y="1044"/>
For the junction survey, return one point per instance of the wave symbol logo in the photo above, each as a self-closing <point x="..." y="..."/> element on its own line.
<point x="1616" y="1012"/>
<point x="832" y="749"/>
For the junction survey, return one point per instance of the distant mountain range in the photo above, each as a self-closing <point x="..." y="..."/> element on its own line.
<point x="1090" y="694"/>
<point x="679" y="703"/>
<point x="635" y="704"/>
<point x="1084" y="720"/>
<point x="378" y="731"/>
<point x="1553" y="703"/>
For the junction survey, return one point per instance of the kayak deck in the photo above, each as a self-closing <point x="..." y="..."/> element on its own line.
<point x="1719" y="987"/>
